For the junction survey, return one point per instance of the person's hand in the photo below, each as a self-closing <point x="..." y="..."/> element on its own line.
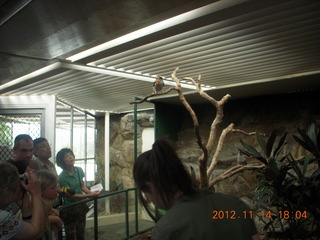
<point x="33" y="186"/>
<point x="56" y="223"/>
<point x="26" y="207"/>
<point x="30" y="170"/>
<point x="55" y="212"/>
<point x="94" y="194"/>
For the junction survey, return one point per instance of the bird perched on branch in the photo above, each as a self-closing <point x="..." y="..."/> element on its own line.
<point x="158" y="85"/>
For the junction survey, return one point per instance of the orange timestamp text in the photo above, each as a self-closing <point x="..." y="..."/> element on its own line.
<point x="232" y="214"/>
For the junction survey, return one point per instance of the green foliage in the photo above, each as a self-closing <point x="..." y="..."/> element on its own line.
<point x="287" y="184"/>
<point x="5" y="134"/>
<point x="99" y="175"/>
<point x="114" y="186"/>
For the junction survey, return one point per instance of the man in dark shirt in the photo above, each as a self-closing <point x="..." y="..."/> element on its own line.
<point x="23" y="152"/>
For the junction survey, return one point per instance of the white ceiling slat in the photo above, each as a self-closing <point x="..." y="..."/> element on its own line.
<point x="266" y="42"/>
<point x="207" y="32"/>
<point x="220" y="25"/>
<point x="207" y="46"/>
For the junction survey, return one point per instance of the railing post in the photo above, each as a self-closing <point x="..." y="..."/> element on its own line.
<point x="95" y="213"/>
<point x="127" y="215"/>
<point x="135" y="130"/>
<point x="95" y="216"/>
<point x="136" y="210"/>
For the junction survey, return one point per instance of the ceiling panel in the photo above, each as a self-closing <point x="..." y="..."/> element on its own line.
<point x="253" y="46"/>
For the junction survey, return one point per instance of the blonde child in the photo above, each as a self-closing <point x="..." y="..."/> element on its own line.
<point x="49" y="192"/>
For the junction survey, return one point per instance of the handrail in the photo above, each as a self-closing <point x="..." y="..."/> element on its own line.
<point x="106" y="195"/>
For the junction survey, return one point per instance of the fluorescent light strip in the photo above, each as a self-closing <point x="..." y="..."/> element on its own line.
<point x="122" y="74"/>
<point x="30" y="75"/>
<point x="202" y="11"/>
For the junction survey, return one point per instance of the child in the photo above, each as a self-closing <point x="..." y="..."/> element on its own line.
<point x="72" y="178"/>
<point x="49" y="192"/>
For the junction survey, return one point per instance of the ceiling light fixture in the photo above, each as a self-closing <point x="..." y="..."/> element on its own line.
<point x="30" y="75"/>
<point x="117" y="73"/>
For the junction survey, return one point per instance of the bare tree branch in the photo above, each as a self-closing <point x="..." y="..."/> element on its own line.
<point x="214" y="160"/>
<point x="206" y="174"/>
<point x="154" y="94"/>
<point x="234" y="170"/>
<point x="219" y="108"/>
<point x="204" y="159"/>
<point x="225" y="131"/>
<point x="245" y="133"/>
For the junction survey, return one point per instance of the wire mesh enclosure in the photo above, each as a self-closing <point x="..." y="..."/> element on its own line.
<point x="13" y="125"/>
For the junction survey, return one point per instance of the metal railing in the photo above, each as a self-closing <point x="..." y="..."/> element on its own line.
<point x="127" y="222"/>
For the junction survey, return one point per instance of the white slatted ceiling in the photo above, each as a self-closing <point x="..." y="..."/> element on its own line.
<point x="274" y="42"/>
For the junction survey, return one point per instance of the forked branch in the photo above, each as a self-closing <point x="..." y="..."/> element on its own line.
<point x="204" y="159"/>
<point x="234" y="170"/>
<point x="154" y="94"/>
<point x="205" y="174"/>
<point x="224" y="133"/>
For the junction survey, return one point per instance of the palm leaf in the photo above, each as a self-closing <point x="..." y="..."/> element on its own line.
<point x="280" y="144"/>
<point x="261" y="159"/>
<point x="312" y="133"/>
<point x="270" y="143"/>
<point x="308" y="141"/>
<point x="316" y="173"/>
<point x="252" y="152"/>
<point x="305" y="165"/>
<point x="261" y="142"/>
<point x="250" y="149"/>
<point x="302" y="143"/>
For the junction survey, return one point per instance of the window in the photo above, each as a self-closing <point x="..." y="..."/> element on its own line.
<point x="75" y="129"/>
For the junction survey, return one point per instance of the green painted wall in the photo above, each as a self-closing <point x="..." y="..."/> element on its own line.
<point x="168" y="120"/>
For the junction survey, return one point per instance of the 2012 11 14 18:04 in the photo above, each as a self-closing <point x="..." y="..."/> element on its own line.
<point x="232" y="214"/>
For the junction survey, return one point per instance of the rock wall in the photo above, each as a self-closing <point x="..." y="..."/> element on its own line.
<point x="122" y="145"/>
<point x="263" y="114"/>
<point x="285" y="113"/>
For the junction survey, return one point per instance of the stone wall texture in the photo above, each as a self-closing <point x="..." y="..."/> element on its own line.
<point x="263" y="114"/>
<point x="122" y="145"/>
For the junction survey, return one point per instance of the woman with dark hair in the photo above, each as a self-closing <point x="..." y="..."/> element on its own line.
<point x="71" y="178"/>
<point x="161" y="176"/>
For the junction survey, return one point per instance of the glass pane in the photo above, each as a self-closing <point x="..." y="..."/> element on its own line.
<point x="76" y="130"/>
<point x="91" y="169"/>
<point x="80" y="163"/>
<point x="63" y="126"/>
<point x="79" y="134"/>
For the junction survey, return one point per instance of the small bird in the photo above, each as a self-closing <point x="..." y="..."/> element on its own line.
<point x="158" y="85"/>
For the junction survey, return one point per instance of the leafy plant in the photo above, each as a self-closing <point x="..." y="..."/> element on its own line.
<point x="288" y="189"/>
<point x="5" y="134"/>
<point x="99" y="175"/>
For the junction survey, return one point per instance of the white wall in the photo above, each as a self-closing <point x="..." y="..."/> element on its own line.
<point x="47" y="103"/>
<point x="147" y="139"/>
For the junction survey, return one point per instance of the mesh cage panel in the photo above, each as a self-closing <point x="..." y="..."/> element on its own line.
<point x="13" y="125"/>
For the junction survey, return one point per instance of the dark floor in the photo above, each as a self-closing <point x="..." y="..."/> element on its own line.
<point x="118" y="231"/>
